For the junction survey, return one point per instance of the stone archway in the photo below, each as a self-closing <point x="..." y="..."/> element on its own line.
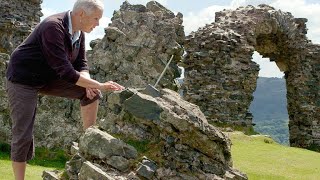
<point x="221" y="77"/>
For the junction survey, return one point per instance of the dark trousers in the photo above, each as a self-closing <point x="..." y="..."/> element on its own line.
<point x="23" y="103"/>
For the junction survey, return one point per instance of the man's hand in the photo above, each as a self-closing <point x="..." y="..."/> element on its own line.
<point x="92" y="92"/>
<point x="112" y="86"/>
<point x="93" y="87"/>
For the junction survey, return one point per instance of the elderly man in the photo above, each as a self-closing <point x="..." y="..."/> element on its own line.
<point x="52" y="61"/>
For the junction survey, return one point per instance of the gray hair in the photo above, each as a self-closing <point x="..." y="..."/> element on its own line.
<point x="89" y="6"/>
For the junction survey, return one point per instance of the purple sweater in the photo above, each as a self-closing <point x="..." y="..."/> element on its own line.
<point x="48" y="54"/>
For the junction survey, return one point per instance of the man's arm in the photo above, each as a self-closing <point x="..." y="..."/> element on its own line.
<point x="86" y="82"/>
<point x="90" y="92"/>
<point x="85" y="73"/>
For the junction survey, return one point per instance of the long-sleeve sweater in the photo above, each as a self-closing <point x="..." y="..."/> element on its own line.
<point x="47" y="54"/>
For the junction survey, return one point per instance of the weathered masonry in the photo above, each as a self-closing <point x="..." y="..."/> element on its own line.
<point x="221" y="77"/>
<point x="17" y="19"/>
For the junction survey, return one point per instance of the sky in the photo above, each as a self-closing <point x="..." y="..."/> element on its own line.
<point x="198" y="13"/>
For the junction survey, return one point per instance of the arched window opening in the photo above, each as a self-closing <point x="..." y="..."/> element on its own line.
<point x="269" y="106"/>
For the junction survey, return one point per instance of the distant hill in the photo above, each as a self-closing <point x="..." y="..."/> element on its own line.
<point x="269" y="109"/>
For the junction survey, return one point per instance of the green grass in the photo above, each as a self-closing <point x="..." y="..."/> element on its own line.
<point x="262" y="158"/>
<point x="44" y="160"/>
<point x="33" y="172"/>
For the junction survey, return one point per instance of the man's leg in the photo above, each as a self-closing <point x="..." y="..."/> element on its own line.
<point x="19" y="169"/>
<point x="22" y="104"/>
<point x="89" y="114"/>
<point x="89" y="107"/>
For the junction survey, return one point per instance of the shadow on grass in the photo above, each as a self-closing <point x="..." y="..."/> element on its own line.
<point x="53" y="158"/>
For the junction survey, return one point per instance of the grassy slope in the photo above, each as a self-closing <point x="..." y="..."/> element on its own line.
<point x="33" y="172"/>
<point x="44" y="160"/>
<point x="261" y="158"/>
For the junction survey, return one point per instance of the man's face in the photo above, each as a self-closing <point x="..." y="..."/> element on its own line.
<point x="90" y="21"/>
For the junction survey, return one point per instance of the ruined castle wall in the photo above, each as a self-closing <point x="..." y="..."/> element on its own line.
<point x="274" y="34"/>
<point x="303" y="93"/>
<point x="220" y="76"/>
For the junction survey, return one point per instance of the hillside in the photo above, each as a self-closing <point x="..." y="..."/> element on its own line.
<point x="269" y="109"/>
<point x="262" y="158"/>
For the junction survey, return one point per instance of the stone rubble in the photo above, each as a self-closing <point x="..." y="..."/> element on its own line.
<point x="179" y="142"/>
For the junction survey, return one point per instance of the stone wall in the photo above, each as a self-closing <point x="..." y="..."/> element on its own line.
<point x="137" y="45"/>
<point x="4" y="110"/>
<point x="17" y="19"/>
<point x="303" y="93"/>
<point x="221" y="77"/>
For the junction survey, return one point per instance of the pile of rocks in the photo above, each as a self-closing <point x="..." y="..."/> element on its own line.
<point x="170" y="139"/>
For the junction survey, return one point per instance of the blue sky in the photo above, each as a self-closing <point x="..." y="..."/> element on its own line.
<point x="201" y="12"/>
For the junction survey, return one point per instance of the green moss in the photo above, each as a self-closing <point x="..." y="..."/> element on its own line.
<point x="140" y="146"/>
<point x="63" y="176"/>
<point x="155" y="152"/>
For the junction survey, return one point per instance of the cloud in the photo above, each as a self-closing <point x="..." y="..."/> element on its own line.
<point x="237" y="3"/>
<point x="47" y="12"/>
<point x="267" y="68"/>
<point x="193" y="21"/>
